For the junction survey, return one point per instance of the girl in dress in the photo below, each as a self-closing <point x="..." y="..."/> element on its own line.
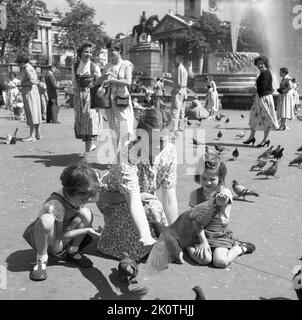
<point x="295" y="85"/>
<point x="285" y="105"/>
<point x="215" y="243"/>
<point x="212" y="101"/>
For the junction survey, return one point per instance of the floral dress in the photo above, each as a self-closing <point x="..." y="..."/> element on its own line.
<point x="119" y="233"/>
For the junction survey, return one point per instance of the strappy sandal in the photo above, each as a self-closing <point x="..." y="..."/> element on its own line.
<point x="249" y="246"/>
<point x="79" y="260"/>
<point x="38" y="274"/>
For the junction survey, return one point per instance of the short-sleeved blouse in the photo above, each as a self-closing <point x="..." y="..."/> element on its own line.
<point x="143" y="177"/>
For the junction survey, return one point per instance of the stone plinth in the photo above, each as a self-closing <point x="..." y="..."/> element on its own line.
<point x="146" y="58"/>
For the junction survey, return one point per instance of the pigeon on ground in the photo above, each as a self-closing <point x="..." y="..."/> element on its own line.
<point x="300" y="149"/>
<point x="227" y="120"/>
<point x="235" y="154"/>
<point x="240" y="135"/>
<point x="259" y="165"/>
<point x="219" y="148"/>
<point x="128" y="269"/>
<point x="241" y="191"/>
<point x="219" y="135"/>
<point x="279" y="154"/>
<point x="199" y="293"/>
<point x="242" y="116"/>
<point x="218" y="117"/>
<point x="270" y="171"/>
<point x="189" y="123"/>
<point x="276" y="150"/>
<point x="180" y="234"/>
<point x="195" y="142"/>
<point x="266" y="153"/>
<point x="297" y="161"/>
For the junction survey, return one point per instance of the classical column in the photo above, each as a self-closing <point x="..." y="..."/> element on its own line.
<point x="49" y="45"/>
<point x="166" y="55"/>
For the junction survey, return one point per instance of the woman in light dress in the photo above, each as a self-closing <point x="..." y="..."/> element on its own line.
<point x="285" y="104"/>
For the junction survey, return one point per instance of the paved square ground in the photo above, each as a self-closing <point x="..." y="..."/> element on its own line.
<point x="29" y="172"/>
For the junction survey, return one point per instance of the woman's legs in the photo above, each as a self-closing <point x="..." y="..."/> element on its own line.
<point x="37" y="127"/>
<point x="282" y="124"/>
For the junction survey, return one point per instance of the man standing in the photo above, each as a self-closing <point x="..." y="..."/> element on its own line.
<point x="52" y="106"/>
<point x="179" y="94"/>
<point x="159" y="92"/>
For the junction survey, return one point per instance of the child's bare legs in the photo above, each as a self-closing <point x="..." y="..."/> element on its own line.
<point x="203" y="258"/>
<point x="222" y="257"/>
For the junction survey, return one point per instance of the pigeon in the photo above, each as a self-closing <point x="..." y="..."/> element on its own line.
<point x="300" y="149"/>
<point x="235" y="154"/>
<point x="219" y="135"/>
<point x="297" y="161"/>
<point x="276" y="150"/>
<point x="128" y="269"/>
<point x="219" y="148"/>
<point x="180" y="234"/>
<point x="227" y="120"/>
<point x="240" y="135"/>
<point x="241" y="191"/>
<point x="199" y="293"/>
<point x="266" y="153"/>
<point x="270" y="171"/>
<point x="218" y="117"/>
<point x="259" y="165"/>
<point x="279" y="154"/>
<point x="242" y="116"/>
<point x="222" y="115"/>
<point x="195" y="142"/>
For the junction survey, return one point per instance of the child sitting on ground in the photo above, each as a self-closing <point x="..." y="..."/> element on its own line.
<point x="63" y="227"/>
<point x="215" y="242"/>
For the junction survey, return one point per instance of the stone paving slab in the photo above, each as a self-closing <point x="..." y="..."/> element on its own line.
<point x="29" y="172"/>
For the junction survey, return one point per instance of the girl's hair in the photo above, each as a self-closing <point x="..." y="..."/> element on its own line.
<point x="211" y="162"/>
<point x="154" y="119"/>
<point x="263" y="59"/>
<point x="80" y="180"/>
<point x="22" y="58"/>
<point x="208" y="77"/>
<point x="284" y="70"/>
<point x="114" y="44"/>
<point x="83" y="47"/>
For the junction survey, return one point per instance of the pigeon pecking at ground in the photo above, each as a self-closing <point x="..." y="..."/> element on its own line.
<point x="128" y="269"/>
<point x="270" y="171"/>
<point x="259" y="165"/>
<point x="297" y="161"/>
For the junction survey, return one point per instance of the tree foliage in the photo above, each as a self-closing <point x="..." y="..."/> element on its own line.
<point x="77" y="25"/>
<point x="22" y="22"/>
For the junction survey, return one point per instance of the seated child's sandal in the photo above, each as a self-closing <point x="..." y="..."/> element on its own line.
<point x="249" y="246"/>
<point x="79" y="259"/>
<point x="38" y="273"/>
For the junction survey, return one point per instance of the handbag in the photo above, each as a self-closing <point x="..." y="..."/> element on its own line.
<point x="100" y="97"/>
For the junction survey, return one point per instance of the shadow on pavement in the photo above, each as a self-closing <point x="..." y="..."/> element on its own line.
<point x="61" y="160"/>
<point x="275" y="298"/>
<point x="230" y="144"/>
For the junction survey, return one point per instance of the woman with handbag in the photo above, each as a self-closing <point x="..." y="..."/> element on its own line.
<point x="85" y="76"/>
<point x="119" y="72"/>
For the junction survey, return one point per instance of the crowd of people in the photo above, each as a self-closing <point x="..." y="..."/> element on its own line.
<point x="145" y="163"/>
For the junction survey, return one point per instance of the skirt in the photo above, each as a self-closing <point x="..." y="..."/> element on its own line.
<point x="262" y="115"/>
<point x="120" y="235"/>
<point x="220" y="239"/>
<point x="285" y="106"/>
<point x="88" y="122"/>
<point x="32" y="105"/>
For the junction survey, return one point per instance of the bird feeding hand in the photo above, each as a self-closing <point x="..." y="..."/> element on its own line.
<point x="222" y="199"/>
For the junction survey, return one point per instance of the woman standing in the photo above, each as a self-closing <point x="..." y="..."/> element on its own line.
<point x="31" y="97"/>
<point x="88" y="121"/>
<point x="262" y="115"/>
<point x="212" y="101"/>
<point x="285" y="104"/>
<point x="128" y="189"/>
<point x="119" y="72"/>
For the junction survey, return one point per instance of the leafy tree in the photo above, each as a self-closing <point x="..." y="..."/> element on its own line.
<point x="78" y="25"/>
<point x="22" y="22"/>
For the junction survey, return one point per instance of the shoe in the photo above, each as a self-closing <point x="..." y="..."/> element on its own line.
<point x="263" y="144"/>
<point x="251" y="140"/>
<point x="38" y="272"/>
<point x="93" y="147"/>
<point x="30" y="139"/>
<point x="249" y="246"/>
<point x="79" y="260"/>
<point x="38" y="137"/>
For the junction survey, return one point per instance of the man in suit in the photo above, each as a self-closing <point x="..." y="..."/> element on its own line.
<point x="52" y="106"/>
<point x="179" y="94"/>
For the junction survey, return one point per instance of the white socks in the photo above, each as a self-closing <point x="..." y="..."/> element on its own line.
<point x="147" y="241"/>
<point x="42" y="258"/>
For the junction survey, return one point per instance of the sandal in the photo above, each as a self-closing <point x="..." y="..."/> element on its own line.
<point x="249" y="246"/>
<point x="38" y="274"/>
<point x="79" y="260"/>
<point x="29" y="139"/>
